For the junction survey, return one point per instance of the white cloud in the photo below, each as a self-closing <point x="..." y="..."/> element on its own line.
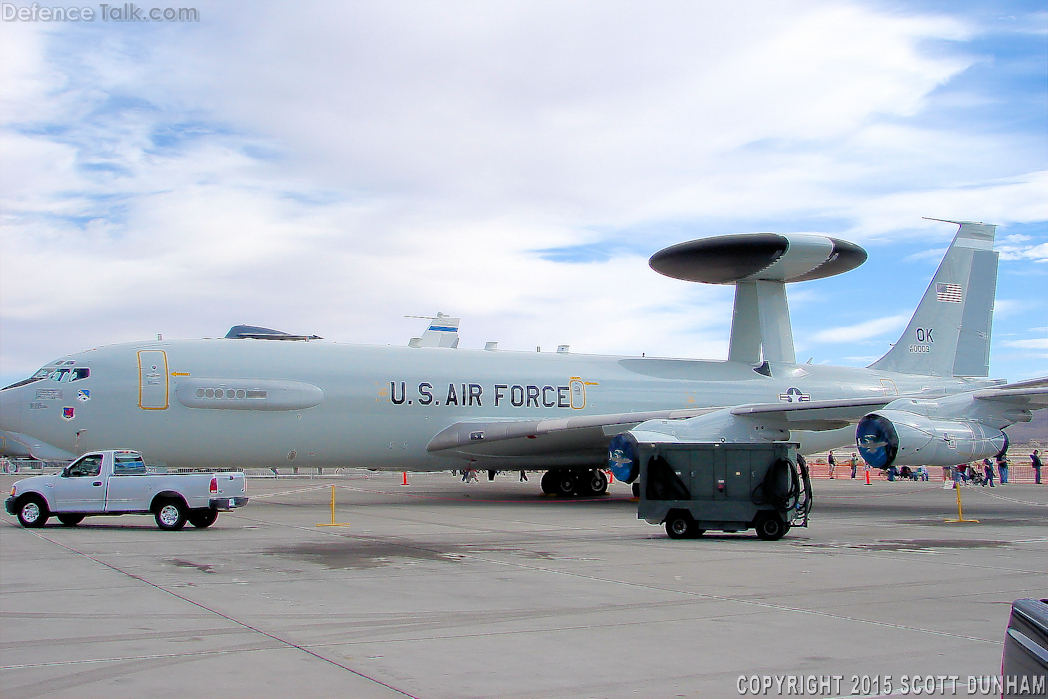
<point x="331" y="168"/>
<point x="862" y="331"/>
<point x="1035" y="343"/>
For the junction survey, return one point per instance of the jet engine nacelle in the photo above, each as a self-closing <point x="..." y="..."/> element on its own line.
<point x="906" y="439"/>
<point x="720" y="426"/>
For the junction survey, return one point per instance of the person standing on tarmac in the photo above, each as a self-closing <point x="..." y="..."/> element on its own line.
<point x="1002" y="467"/>
<point x="1035" y="461"/>
<point x="987" y="473"/>
<point x="854" y="463"/>
<point x="832" y="463"/>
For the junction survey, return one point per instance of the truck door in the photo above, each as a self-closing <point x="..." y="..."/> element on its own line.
<point x="81" y="486"/>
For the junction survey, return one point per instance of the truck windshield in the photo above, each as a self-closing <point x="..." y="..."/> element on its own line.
<point x="128" y="465"/>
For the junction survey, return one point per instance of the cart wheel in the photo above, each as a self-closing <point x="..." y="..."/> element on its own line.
<point x="770" y="526"/>
<point x="680" y="525"/>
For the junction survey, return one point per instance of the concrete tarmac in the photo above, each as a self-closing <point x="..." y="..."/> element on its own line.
<point x="443" y="589"/>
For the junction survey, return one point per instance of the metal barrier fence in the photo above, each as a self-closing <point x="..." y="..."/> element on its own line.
<point x="818" y="468"/>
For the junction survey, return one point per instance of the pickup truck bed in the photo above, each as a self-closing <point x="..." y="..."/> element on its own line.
<point x="115" y="482"/>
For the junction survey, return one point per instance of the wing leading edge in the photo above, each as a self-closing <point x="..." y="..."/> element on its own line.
<point x="577" y="441"/>
<point x="583" y="441"/>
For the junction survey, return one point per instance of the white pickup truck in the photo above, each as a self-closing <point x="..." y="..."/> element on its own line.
<point x="115" y="482"/>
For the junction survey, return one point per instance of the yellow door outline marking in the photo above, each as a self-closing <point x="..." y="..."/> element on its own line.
<point x="163" y="373"/>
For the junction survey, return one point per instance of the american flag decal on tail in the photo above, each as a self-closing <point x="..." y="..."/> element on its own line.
<point x="948" y="293"/>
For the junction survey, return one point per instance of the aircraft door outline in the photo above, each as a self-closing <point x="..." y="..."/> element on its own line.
<point x="152" y="380"/>
<point x="577" y="392"/>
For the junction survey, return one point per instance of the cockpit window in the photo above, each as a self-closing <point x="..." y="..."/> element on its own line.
<point x="39" y="375"/>
<point x="68" y="374"/>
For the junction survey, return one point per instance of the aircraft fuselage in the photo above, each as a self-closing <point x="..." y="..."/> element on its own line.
<point x="264" y="403"/>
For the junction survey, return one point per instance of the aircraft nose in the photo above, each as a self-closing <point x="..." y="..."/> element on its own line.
<point x="11" y="402"/>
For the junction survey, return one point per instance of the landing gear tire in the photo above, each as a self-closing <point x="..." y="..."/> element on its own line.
<point x="770" y="527"/>
<point x="593" y="483"/>
<point x="202" y="519"/>
<point x="171" y="515"/>
<point x="32" y="513"/>
<point x="548" y="483"/>
<point x="565" y="483"/>
<point x="70" y="520"/>
<point x="680" y="525"/>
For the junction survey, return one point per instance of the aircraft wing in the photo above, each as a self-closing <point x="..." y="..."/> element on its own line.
<point x="574" y="441"/>
<point x="816" y="415"/>
<point x="583" y="440"/>
<point x="1032" y="394"/>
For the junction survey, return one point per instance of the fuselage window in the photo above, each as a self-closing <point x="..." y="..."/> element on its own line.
<point x="229" y="393"/>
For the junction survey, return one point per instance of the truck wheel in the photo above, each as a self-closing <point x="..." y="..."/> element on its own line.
<point x="202" y="519"/>
<point x="680" y="525"/>
<point x="70" y="520"/>
<point x="171" y="515"/>
<point x="32" y="512"/>
<point x="770" y="527"/>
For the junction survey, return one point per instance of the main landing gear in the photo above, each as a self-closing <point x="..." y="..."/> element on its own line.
<point x="581" y="482"/>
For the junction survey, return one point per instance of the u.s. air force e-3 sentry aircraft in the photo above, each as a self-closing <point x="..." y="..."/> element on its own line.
<point x="260" y="398"/>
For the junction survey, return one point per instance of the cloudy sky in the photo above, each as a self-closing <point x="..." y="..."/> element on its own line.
<point x="330" y="168"/>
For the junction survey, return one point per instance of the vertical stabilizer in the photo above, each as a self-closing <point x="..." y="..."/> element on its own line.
<point x="949" y="333"/>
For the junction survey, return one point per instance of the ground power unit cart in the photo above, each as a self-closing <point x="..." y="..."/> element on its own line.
<point x="693" y="487"/>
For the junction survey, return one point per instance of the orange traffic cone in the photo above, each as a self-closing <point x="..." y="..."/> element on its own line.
<point x="405" y="481"/>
